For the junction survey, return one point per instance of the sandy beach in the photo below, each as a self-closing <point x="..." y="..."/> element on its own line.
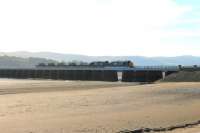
<point x="34" y="106"/>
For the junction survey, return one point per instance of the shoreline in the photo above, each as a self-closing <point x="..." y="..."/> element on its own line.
<point x="161" y="129"/>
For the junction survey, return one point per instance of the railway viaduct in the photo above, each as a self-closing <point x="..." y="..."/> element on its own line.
<point x="138" y="74"/>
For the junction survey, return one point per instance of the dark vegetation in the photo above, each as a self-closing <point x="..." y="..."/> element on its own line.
<point x="91" y="64"/>
<point x="31" y="62"/>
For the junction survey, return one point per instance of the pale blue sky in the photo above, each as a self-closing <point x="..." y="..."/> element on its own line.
<point x="101" y="27"/>
<point x="186" y="30"/>
<point x="191" y="16"/>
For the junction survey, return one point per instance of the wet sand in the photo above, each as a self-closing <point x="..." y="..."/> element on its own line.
<point x="33" y="106"/>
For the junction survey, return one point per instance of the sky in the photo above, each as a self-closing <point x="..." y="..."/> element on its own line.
<point x="101" y="27"/>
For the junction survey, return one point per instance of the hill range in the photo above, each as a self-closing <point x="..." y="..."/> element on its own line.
<point x="30" y="59"/>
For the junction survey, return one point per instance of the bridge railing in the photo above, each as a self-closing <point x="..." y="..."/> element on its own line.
<point x="136" y="68"/>
<point x="163" y="68"/>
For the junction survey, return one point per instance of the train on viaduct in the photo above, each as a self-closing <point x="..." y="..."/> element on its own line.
<point x="124" y="71"/>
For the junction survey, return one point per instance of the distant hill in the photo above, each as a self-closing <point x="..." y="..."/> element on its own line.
<point x="138" y="60"/>
<point x="18" y="62"/>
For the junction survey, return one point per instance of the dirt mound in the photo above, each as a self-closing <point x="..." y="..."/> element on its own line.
<point x="183" y="76"/>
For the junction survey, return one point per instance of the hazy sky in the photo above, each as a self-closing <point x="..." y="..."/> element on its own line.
<point x="101" y="27"/>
